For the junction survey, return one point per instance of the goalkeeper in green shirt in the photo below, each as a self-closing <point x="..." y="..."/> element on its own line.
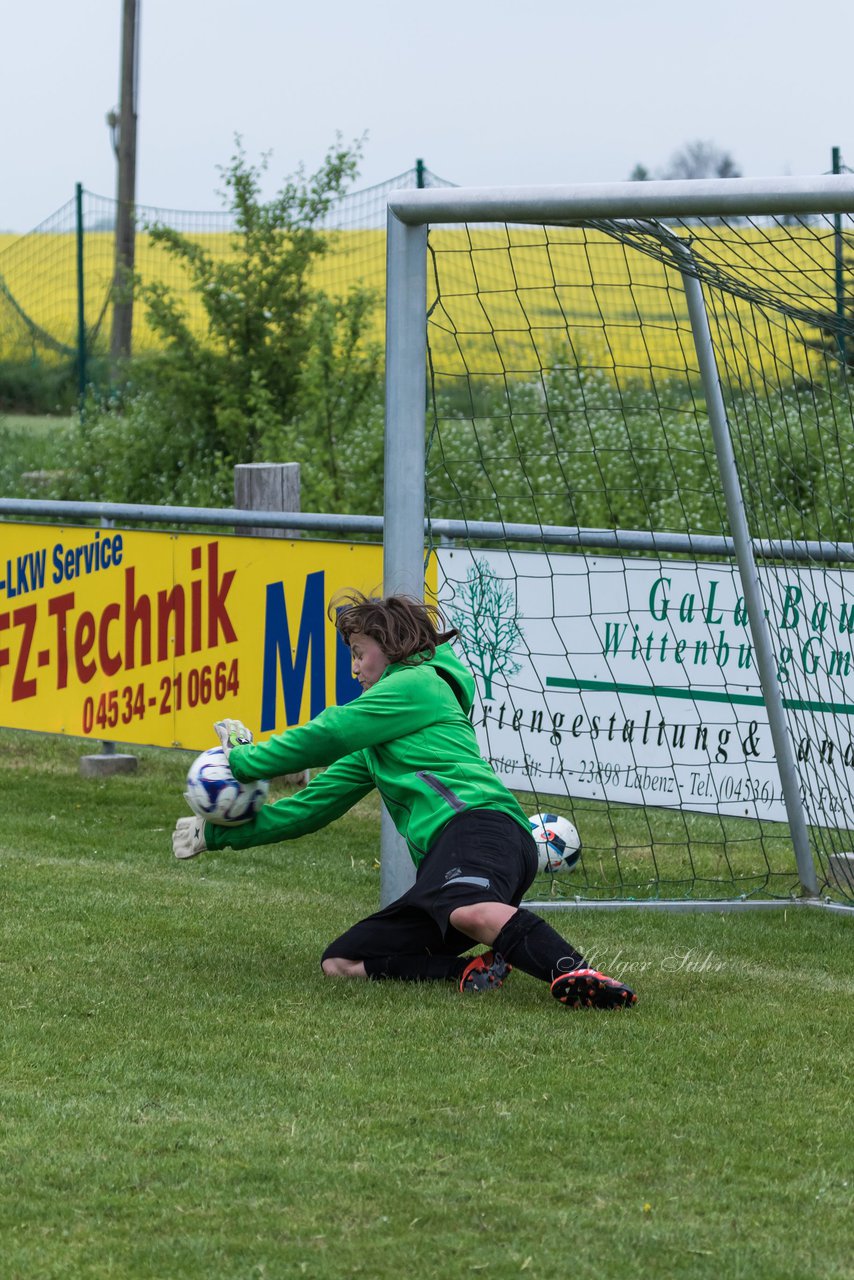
<point x="409" y="735"/>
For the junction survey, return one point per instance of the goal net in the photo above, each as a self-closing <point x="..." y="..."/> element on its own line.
<point x="585" y="531"/>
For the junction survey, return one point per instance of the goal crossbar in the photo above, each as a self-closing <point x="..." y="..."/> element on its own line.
<point x="713" y="197"/>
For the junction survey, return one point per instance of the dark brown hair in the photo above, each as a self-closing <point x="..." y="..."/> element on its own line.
<point x="402" y="626"/>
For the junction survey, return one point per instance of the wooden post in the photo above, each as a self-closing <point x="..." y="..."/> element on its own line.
<point x="121" y="337"/>
<point x="267" y="486"/>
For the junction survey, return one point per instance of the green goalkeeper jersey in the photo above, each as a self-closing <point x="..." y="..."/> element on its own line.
<point x="409" y="735"/>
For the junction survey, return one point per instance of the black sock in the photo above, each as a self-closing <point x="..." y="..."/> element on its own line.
<point x="533" y="946"/>
<point x="414" y="968"/>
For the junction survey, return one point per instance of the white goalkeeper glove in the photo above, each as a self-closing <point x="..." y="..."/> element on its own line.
<point x="232" y="733"/>
<point x="188" y="838"/>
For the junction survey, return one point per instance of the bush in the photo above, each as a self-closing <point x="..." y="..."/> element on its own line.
<point x="282" y="374"/>
<point x="575" y="449"/>
<point x="35" y="387"/>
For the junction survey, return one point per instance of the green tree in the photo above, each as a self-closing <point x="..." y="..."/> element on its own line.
<point x="701" y="159"/>
<point x="281" y="372"/>
<point x="698" y="159"/>
<point x="335" y="431"/>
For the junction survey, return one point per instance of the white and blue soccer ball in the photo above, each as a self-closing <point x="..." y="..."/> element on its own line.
<point x="558" y="842"/>
<point x="213" y="792"/>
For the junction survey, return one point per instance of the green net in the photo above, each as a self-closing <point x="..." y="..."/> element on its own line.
<point x="617" y="685"/>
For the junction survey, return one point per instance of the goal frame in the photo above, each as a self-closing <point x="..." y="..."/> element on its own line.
<point x="409" y="216"/>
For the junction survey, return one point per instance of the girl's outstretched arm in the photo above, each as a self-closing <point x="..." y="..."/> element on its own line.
<point x="327" y="797"/>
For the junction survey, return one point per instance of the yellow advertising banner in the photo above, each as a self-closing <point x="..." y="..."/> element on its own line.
<point x="142" y="637"/>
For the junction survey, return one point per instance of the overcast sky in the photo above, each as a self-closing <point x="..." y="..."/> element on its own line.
<point x="487" y="92"/>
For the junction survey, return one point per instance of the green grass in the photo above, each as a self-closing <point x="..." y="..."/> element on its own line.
<point x="34" y="455"/>
<point x="183" y="1094"/>
<point x="34" y="424"/>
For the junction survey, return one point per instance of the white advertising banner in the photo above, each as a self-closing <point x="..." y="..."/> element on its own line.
<point x="635" y="680"/>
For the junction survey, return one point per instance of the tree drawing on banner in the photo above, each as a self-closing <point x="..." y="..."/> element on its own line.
<point x="485" y="614"/>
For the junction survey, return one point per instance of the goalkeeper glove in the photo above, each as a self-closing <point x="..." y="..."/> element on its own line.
<point x="188" y="838"/>
<point x="232" y="733"/>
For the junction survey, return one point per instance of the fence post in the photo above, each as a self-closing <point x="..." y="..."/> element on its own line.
<point x="81" y="307"/>
<point x="267" y="486"/>
<point x="839" y="266"/>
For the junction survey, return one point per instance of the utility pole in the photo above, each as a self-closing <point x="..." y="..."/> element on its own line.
<point x="123" y="126"/>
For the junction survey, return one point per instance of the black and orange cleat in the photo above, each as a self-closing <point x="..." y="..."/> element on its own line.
<point x="589" y="989"/>
<point x="486" y="972"/>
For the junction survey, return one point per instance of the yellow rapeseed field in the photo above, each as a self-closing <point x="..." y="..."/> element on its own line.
<point x="40" y="272"/>
<point x="512" y="299"/>
<point x="517" y="300"/>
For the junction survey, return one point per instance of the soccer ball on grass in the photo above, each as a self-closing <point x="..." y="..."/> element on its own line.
<point x="213" y="792"/>
<point x="558" y="842"/>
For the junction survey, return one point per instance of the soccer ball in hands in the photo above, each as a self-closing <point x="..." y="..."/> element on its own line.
<point x="558" y="842"/>
<point x="213" y="792"/>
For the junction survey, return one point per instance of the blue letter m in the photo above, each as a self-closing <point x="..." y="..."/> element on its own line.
<point x="277" y="653"/>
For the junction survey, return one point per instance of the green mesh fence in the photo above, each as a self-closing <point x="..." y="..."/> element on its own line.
<point x="39" y="271"/>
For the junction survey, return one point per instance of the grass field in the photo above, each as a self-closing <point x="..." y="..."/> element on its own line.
<point x="183" y="1094"/>
<point x="37" y="425"/>
<point x="33" y="450"/>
